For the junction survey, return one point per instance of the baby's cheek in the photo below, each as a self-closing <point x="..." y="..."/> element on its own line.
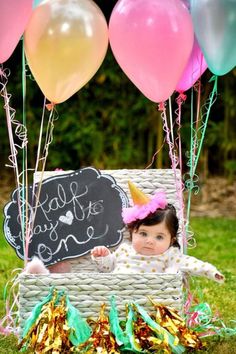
<point x="137" y="244"/>
<point x="162" y="247"/>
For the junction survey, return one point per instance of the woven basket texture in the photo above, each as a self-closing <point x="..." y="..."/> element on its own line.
<point x="88" y="289"/>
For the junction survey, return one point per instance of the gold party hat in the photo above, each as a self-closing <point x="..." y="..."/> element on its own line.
<point x="139" y="198"/>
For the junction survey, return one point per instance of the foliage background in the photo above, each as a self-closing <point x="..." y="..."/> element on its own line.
<point x="110" y="124"/>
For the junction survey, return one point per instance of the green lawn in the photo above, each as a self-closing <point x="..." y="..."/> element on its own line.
<point x="216" y="243"/>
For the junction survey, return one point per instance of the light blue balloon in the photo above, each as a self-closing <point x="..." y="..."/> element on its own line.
<point x="36" y="3"/>
<point x="215" y="28"/>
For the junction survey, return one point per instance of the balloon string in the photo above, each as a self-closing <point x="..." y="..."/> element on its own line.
<point x="48" y="140"/>
<point x="178" y="112"/>
<point x="197" y="87"/>
<point x="178" y="181"/>
<point x="193" y="146"/>
<point x="196" y="142"/>
<point x="208" y="105"/>
<point x="39" y="148"/>
<point x="22" y="178"/>
<point x="200" y="318"/>
<point x="172" y="155"/>
<point x="20" y="130"/>
<point x="174" y="162"/>
<point x="10" y="112"/>
<point x="9" y="324"/>
<point x="189" y="183"/>
<point x="171" y="130"/>
<point x="32" y="214"/>
<point x="20" y="133"/>
<point x="180" y="100"/>
<point x="40" y="137"/>
<point x="154" y="155"/>
<point x="24" y="189"/>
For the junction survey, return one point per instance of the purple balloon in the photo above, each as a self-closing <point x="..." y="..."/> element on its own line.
<point x="194" y="69"/>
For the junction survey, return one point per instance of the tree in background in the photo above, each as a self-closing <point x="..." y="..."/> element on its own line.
<point x="110" y="124"/>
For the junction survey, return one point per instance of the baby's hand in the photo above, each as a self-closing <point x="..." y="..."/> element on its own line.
<point x="100" y="251"/>
<point x="219" y="277"/>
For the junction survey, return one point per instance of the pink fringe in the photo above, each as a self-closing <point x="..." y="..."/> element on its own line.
<point x="140" y="212"/>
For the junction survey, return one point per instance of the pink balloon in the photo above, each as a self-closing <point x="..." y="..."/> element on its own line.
<point x="14" y="15"/>
<point x="152" y="41"/>
<point x="194" y="69"/>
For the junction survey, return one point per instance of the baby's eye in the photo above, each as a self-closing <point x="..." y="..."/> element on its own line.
<point x="142" y="233"/>
<point x="159" y="237"/>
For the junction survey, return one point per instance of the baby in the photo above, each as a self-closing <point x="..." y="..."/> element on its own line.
<point x="154" y="247"/>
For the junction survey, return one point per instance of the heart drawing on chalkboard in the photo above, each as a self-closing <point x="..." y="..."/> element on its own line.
<point x="67" y="219"/>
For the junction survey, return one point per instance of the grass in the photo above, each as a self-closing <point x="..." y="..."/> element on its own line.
<point x="216" y="241"/>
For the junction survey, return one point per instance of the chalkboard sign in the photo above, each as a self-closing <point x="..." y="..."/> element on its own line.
<point x="75" y="212"/>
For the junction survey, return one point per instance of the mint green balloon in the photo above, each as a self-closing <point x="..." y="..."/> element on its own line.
<point x="36" y="3"/>
<point x="215" y="28"/>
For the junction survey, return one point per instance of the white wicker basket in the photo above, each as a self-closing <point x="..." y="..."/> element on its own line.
<point x="87" y="288"/>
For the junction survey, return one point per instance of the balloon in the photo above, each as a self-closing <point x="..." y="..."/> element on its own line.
<point x="152" y="41"/>
<point x="36" y="3"/>
<point x="215" y="28"/>
<point x="65" y="43"/>
<point x="14" y="15"/>
<point x="186" y="3"/>
<point x="194" y="69"/>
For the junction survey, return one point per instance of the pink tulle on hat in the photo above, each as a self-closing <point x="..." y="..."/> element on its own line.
<point x="143" y="205"/>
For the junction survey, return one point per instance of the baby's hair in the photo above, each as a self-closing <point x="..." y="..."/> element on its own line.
<point x="168" y="214"/>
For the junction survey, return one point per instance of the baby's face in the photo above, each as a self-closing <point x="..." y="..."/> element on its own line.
<point x="151" y="240"/>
